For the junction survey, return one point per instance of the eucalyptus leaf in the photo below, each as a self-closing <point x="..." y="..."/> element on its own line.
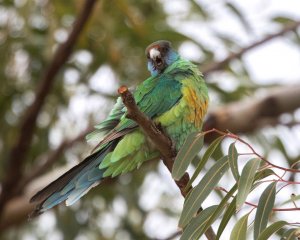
<point x="210" y="150"/>
<point x="273" y="228"/>
<point x="202" y="190"/>
<point x="264" y="209"/>
<point x="219" y="209"/>
<point x="196" y="226"/>
<point x="246" y="181"/>
<point x="233" y="157"/>
<point x="239" y="231"/>
<point x="227" y="215"/>
<point x="188" y="151"/>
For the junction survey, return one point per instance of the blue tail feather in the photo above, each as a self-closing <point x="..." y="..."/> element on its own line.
<point x="75" y="183"/>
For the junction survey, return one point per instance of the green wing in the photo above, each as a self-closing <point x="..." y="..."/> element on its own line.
<point x="154" y="96"/>
<point x="109" y="123"/>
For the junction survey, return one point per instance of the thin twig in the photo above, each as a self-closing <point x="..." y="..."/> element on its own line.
<point x="48" y="159"/>
<point x="273" y="209"/>
<point x="221" y="64"/>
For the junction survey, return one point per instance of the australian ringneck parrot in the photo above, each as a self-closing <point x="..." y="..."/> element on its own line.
<point x="174" y="96"/>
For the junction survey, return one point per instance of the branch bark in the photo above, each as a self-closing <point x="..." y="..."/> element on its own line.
<point x="216" y="66"/>
<point x="18" y="153"/>
<point x="251" y="114"/>
<point x="162" y="142"/>
<point x="48" y="159"/>
<point x="17" y="209"/>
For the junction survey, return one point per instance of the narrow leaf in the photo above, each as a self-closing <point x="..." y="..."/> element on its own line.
<point x="263" y="174"/>
<point x="212" y="147"/>
<point x="239" y="230"/>
<point x="202" y="190"/>
<point x="188" y="151"/>
<point x="232" y="206"/>
<point x="197" y="224"/>
<point x="273" y="228"/>
<point x="246" y="181"/>
<point x="219" y="209"/>
<point x="264" y="208"/>
<point x="233" y="156"/>
<point x="227" y="215"/>
<point x="283" y="20"/>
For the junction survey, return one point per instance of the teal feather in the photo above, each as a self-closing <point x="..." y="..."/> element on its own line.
<point x="174" y="96"/>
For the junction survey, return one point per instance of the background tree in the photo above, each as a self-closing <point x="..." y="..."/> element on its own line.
<point x="61" y="65"/>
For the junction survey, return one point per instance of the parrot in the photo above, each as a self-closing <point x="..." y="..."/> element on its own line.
<point x="175" y="97"/>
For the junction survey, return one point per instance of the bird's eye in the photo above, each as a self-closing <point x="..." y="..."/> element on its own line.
<point x="148" y="55"/>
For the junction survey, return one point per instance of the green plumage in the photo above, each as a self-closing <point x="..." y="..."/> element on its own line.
<point x="177" y="99"/>
<point x="175" y="96"/>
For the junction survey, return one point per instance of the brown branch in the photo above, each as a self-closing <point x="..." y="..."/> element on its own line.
<point x="48" y="159"/>
<point x="17" y="209"/>
<point x="249" y="115"/>
<point x="159" y="139"/>
<point x="18" y="153"/>
<point x="215" y="66"/>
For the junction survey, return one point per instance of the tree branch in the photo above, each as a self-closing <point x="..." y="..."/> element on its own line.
<point x="216" y="66"/>
<point x="48" y="159"/>
<point x="251" y="114"/>
<point x="159" y="139"/>
<point x="18" y="153"/>
<point x="17" y="209"/>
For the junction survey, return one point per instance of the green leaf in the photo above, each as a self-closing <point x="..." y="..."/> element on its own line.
<point x="197" y="224"/>
<point x="188" y="151"/>
<point x="239" y="230"/>
<point x="273" y="228"/>
<point x="246" y="181"/>
<point x="232" y="206"/>
<point x="264" y="208"/>
<point x="202" y="190"/>
<point x="227" y="215"/>
<point x="263" y="174"/>
<point x="291" y="234"/>
<point x="283" y="20"/>
<point x="219" y="209"/>
<point x="233" y="156"/>
<point x="210" y="150"/>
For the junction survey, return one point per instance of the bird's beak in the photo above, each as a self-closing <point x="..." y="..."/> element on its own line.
<point x="158" y="61"/>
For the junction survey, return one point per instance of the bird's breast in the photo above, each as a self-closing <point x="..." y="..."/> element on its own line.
<point x="186" y="116"/>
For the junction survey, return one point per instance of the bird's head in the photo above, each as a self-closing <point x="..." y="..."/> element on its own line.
<point x="160" y="55"/>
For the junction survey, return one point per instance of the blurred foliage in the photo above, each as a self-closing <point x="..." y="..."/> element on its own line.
<point x="115" y="37"/>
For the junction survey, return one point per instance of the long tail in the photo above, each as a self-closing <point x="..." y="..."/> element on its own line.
<point x="72" y="185"/>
